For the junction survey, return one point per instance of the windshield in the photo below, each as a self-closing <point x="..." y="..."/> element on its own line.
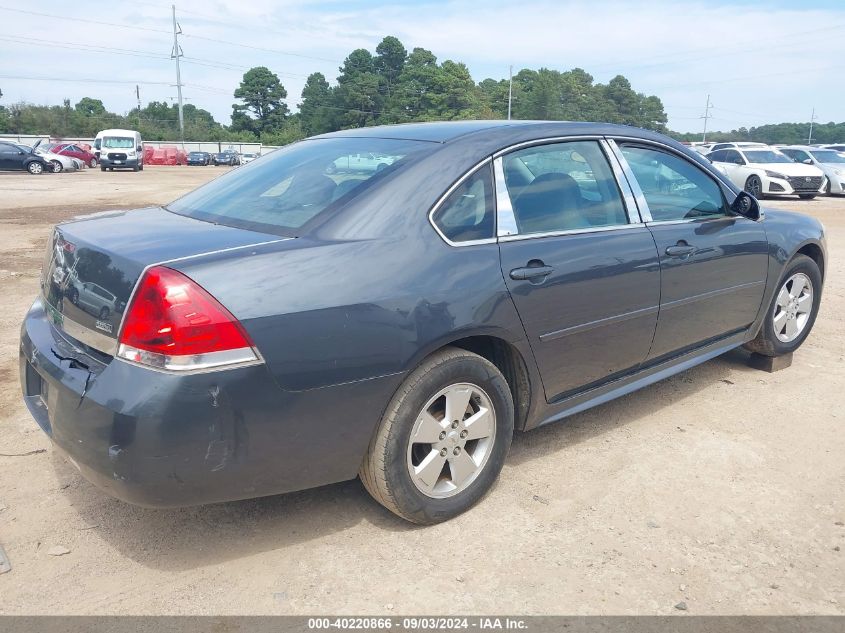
<point x="828" y="156"/>
<point x="118" y="142"/>
<point x="766" y="156"/>
<point x="195" y="154"/>
<point x="285" y="190"/>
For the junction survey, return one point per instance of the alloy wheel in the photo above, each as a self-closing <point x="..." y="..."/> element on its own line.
<point x="793" y="307"/>
<point x="452" y="440"/>
<point x="754" y="187"/>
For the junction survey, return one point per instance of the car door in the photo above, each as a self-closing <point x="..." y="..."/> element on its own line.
<point x="581" y="268"/>
<point x="713" y="262"/>
<point x="10" y="156"/>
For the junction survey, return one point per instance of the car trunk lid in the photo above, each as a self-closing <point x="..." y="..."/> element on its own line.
<point x="93" y="264"/>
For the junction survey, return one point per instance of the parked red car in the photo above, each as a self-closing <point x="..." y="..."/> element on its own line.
<point x="76" y="151"/>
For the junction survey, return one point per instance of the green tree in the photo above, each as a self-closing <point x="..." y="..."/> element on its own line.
<point x="357" y="99"/>
<point x="263" y="108"/>
<point x="389" y="61"/>
<point x="90" y="107"/>
<point x="315" y="111"/>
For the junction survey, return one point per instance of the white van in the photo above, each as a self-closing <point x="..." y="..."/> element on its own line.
<point x="119" y="149"/>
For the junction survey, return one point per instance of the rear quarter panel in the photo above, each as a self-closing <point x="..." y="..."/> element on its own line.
<point x="329" y="312"/>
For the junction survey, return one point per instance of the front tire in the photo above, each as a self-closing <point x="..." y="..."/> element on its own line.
<point x="443" y="438"/>
<point x="792" y="311"/>
<point x="754" y="186"/>
<point x="92" y="163"/>
<point x="806" y="196"/>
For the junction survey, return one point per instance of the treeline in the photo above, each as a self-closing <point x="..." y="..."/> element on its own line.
<point x="787" y="133"/>
<point x="158" y="121"/>
<point x="393" y="85"/>
<point x="389" y="85"/>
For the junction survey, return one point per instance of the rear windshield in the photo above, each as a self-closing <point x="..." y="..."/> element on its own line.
<point x="291" y="186"/>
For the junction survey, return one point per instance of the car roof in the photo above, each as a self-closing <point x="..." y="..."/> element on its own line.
<point x="449" y="131"/>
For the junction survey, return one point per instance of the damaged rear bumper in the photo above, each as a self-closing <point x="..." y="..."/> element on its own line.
<point x="160" y="439"/>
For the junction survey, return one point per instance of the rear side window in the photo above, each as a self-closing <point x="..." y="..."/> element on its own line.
<point x="674" y="188"/>
<point x="291" y="186"/>
<point x="467" y="214"/>
<point x="563" y="187"/>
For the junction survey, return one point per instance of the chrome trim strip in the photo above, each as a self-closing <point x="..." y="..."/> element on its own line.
<point x="192" y="364"/>
<point x="622" y="182"/>
<point x="642" y="205"/>
<point x="505" y="218"/>
<point x="445" y="196"/>
<point x="708" y="295"/>
<point x="91" y="338"/>
<point x="577" y="329"/>
<point x="585" y="231"/>
<point x="546" y="141"/>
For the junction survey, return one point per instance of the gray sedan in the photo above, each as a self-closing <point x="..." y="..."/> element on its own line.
<point x="291" y="324"/>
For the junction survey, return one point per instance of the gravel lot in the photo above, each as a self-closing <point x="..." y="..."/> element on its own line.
<point x="723" y="488"/>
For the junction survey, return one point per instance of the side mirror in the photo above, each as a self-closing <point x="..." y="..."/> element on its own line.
<point x="140" y="148"/>
<point x="807" y="161"/>
<point x="739" y="161"/>
<point x="746" y="205"/>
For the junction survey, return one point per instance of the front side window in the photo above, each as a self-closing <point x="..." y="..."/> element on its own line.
<point x="732" y="156"/>
<point x="674" y="188"/>
<point x="467" y="214"/>
<point x="291" y="186"/>
<point x="562" y="187"/>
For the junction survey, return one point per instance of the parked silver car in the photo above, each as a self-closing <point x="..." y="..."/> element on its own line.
<point x="830" y="161"/>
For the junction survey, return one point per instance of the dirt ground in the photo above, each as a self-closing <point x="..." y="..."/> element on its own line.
<point x="723" y="488"/>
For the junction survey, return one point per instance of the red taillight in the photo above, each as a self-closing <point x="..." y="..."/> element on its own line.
<point x="173" y="323"/>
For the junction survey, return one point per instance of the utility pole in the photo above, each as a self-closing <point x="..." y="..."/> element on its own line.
<point x="176" y="54"/>
<point x="510" y="90"/>
<point x="138" y="96"/>
<point x="706" y="117"/>
<point x="812" y="119"/>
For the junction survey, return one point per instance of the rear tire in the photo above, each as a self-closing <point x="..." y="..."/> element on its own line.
<point x="35" y="168"/>
<point x="56" y="166"/>
<point x="777" y="335"/>
<point x="443" y="439"/>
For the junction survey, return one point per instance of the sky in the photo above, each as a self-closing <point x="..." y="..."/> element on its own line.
<point x="761" y="61"/>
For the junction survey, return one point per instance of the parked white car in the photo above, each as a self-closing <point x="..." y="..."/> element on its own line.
<point x="737" y="145"/>
<point x="831" y="162"/>
<point x="839" y="147"/>
<point x="57" y="162"/>
<point x="249" y="157"/>
<point x="766" y="171"/>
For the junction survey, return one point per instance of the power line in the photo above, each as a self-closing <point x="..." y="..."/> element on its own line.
<point x="101" y="23"/>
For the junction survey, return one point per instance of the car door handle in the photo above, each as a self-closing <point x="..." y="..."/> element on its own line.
<point x="680" y="250"/>
<point x="531" y="272"/>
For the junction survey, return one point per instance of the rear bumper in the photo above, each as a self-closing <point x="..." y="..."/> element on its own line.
<point x="162" y="440"/>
